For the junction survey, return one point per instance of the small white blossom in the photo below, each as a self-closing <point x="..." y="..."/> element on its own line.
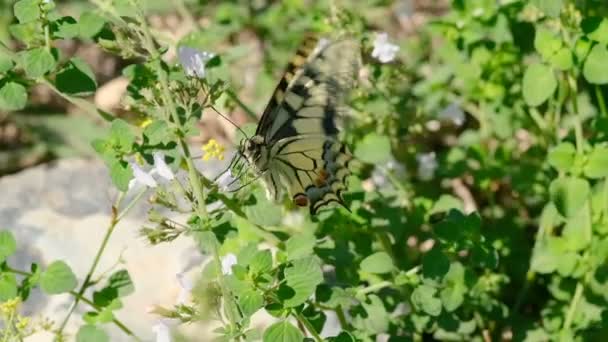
<point x="161" y="167"/>
<point x="454" y="113"/>
<point x="162" y="331"/>
<point x="186" y="287"/>
<point x="193" y="61"/>
<point x="228" y="261"/>
<point x="142" y="177"/>
<point x="383" y="50"/>
<point x="427" y="164"/>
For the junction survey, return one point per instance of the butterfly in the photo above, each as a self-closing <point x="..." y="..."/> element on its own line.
<point x="295" y="147"/>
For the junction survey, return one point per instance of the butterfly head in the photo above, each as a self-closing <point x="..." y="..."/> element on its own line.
<point x="252" y="148"/>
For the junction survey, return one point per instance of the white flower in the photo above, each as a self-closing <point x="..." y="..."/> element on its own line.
<point x="427" y="164"/>
<point x="142" y="177"/>
<point x="454" y="113"/>
<point x="227" y="261"/>
<point x="193" y="61"/>
<point x="384" y="51"/>
<point x="162" y="331"/>
<point x="161" y="167"/>
<point x="186" y="287"/>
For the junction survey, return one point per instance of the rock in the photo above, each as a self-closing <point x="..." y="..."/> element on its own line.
<point x="61" y="211"/>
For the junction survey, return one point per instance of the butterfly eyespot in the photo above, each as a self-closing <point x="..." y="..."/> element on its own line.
<point x="321" y="179"/>
<point x="300" y="200"/>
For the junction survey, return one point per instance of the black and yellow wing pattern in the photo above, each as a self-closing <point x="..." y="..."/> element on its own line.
<point x="295" y="147"/>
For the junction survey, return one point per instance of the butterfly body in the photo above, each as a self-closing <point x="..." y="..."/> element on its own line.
<point x="295" y="148"/>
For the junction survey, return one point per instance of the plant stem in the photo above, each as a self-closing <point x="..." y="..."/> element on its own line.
<point x="87" y="281"/>
<point x="308" y="326"/>
<point x="600" y="100"/>
<point x="374" y="288"/>
<point x="250" y="113"/>
<point x="193" y="174"/>
<point x="578" y="293"/>
<point x="85" y="105"/>
<point x="578" y="125"/>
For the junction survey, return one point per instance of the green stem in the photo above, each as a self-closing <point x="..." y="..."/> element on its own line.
<point x="193" y="174"/>
<point x="85" y="105"/>
<point x="87" y="280"/>
<point x="374" y="288"/>
<point x="308" y="326"/>
<point x="578" y="125"/>
<point x="578" y="293"/>
<point x="600" y="100"/>
<point x="250" y="113"/>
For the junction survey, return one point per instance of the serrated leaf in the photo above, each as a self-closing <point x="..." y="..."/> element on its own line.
<point x="8" y="286"/>
<point x="374" y="149"/>
<point x="375" y="320"/>
<point x="299" y="246"/>
<point x="157" y="132"/>
<point x="250" y="302"/>
<point x="121" y="136"/>
<point x="91" y="333"/>
<point x="29" y="33"/>
<point x="8" y="245"/>
<point x="76" y="78"/>
<point x="121" y="281"/>
<point x="302" y="277"/>
<point x="261" y="262"/>
<point x="121" y="174"/>
<point x="27" y="10"/>
<point x="90" y="24"/>
<point x="57" y="278"/>
<point x="597" y="163"/>
<point x="595" y="70"/>
<point x="435" y="264"/>
<point x="37" y="62"/>
<point x="282" y="332"/>
<point x="569" y="195"/>
<point x="539" y="84"/>
<point x="562" y="156"/>
<point x="377" y="263"/>
<point x="264" y="212"/>
<point x="423" y="298"/>
<point x="452" y="295"/>
<point x="13" y="96"/>
<point x="65" y="28"/>
<point x="546" y="42"/>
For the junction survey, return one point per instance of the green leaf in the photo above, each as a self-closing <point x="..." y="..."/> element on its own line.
<point x="282" y="332"/>
<point x="374" y="149"/>
<point x="6" y="62"/>
<point x="76" y="78"/>
<point x="90" y="24"/>
<point x="37" y="62"/>
<point x="57" y="278"/>
<point x="569" y="195"/>
<point x="121" y="174"/>
<point x="562" y="156"/>
<point x="261" y="262"/>
<point x="423" y="298"/>
<point x="27" y="10"/>
<point x="29" y="33"/>
<point x="66" y="28"/>
<point x="299" y="246"/>
<point x="595" y="70"/>
<point x="264" y="212"/>
<point x="551" y="8"/>
<point x="539" y="84"/>
<point x="375" y="320"/>
<point x="377" y="263"/>
<point x="302" y="277"/>
<point x="452" y="295"/>
<point x="8" y="245"/>
<point x="562" y="60"/>
<point x="121" y="136"/>
<point x="250" y="302"/>
<point x="157" y="132"/>
<point x="596" y="29"/>
<point x="435" y="264"/>
<point x="546" y="42"/>
<point x="13" y="96"/>
<point x="597" y="163"/>
<point x="91" y="333"/>
<point x="8" y="286"/>
<point x="121" y="282"/>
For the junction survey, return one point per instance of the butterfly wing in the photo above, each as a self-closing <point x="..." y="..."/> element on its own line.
<point x="299" y="126"/>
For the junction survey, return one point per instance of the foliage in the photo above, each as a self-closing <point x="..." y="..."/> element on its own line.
<point x="479" y="212"/>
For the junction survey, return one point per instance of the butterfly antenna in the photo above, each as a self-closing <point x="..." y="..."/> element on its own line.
<point x="229" y="120"/>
